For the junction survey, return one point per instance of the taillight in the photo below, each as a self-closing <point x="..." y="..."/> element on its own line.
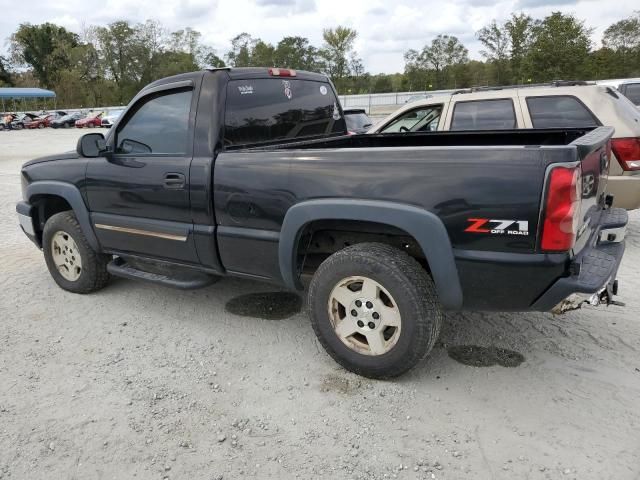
<point x="282" y="72"/>
<point x="627" y="151"/>
<point x="562" y="209"/>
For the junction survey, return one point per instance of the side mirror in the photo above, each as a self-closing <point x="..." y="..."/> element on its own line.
<point x="91" y="145"/>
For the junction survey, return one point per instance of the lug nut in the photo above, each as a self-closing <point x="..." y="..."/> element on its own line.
<point x="354" y="313"/>
<point x="358" y="303"/>
<point x="375" y="315"/>
<point x="372" y="325"/>
<point x="360" y="323"/>
<point x="369" y="305"/>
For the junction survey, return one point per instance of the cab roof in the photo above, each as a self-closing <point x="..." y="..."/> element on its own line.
<point x="238" y="74"/>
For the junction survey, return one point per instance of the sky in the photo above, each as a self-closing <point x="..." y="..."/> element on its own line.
<point x="386" y="28"/>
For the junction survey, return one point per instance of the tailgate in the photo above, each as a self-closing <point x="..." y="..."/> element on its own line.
<point x="594" y="154"/>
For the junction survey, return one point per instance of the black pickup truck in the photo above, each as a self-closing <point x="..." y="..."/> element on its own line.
<point x="249" y="173"/>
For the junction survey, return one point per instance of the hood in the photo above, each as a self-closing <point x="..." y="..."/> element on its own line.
<point x="51" y="158"/>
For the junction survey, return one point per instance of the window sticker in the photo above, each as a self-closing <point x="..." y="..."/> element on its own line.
<point x="323" y="90"/>
<point x="245" y="89"/>
<point x="287" y="89"/>
<point x="336" y="111"/>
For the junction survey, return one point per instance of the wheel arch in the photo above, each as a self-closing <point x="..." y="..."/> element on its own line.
<point x="40" y="191"/>
<point x="425" y="227"/>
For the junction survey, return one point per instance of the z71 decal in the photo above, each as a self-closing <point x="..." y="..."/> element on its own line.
<point x="498" y="227"/>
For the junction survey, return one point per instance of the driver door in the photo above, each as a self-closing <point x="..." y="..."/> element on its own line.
<point x="139" y="193"/>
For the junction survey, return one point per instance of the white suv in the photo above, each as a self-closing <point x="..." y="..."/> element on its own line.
<point x="556" y="105"/>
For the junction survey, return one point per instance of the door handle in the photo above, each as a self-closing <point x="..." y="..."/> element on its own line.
<point x="174" y="181"/>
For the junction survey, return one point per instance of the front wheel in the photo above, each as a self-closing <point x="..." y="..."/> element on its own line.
<point x="71" y="261"/>
<point x="374" y="309"/>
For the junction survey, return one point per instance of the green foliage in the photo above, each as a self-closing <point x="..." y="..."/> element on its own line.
<point x="560" y="48"/>
<point x="46" y="48"/>
<point x="439" y="61"/>
<point x="108" y="65"/>
<point x="5" y="73"/>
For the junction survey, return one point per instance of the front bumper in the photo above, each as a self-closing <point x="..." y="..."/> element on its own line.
<point x="25" y="217"/>
<point x="595" y="269"/>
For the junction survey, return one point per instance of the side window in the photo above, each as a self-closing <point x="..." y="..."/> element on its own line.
<point x="270" y="109"/>
<point x="160" y="124"/>
<point x="484" y="115"/>
<point x="423" y="119"/>
<point x="559" y="112"/>
<point x="632" y="92"/>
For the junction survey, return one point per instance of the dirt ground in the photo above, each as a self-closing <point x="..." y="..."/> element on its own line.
<point x="140" y="381"/>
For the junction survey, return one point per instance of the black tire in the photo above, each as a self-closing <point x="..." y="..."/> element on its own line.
<point x="66" y="125"/>
<point x="412" y="290"/>
<point x="94" y="275"/>
<point x="41" y="125"/>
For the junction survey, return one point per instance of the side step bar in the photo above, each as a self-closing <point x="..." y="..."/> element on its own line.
<point x="181" y="278"/>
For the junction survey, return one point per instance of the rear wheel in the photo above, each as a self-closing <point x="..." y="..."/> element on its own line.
<point x="71" y="261"/>
<point x="374" y="310"/>
<point x="41" y="125"/>
<point x="66" y="125"/>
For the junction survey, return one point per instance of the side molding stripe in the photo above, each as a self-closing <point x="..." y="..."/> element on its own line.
<point x="136" y="231"/>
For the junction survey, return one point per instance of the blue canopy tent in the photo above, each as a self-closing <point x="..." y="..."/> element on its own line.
<point x="22" y="94"/>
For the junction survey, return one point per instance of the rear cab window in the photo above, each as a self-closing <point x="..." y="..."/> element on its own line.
<point x="490" y="114"/>
<point x="559" y="111"/>
<point x="264" y="110"/>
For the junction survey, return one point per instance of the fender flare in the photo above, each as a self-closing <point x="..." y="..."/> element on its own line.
<point x="73" y="197"/>
<point x="424" y="226"/>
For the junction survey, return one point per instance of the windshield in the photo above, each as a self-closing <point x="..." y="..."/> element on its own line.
<point x="357" y="121"/>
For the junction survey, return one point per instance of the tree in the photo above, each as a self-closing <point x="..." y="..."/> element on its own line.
<point x="45" y="48"/>
<point x="241" y="48"/>
<point x="296" y="53"/>
<point x="337" y="49"/>
<point x="122" y="54"/>
<point x="520" y="31"/>
<point x="623" y="35"/>
<point x="443" y="57"/>
<point x="495" y="39"/>
<point x="560" y="48"/>
<point x="5" y="73"/>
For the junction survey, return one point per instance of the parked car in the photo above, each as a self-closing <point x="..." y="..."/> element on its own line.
<point x="90" y="121"/>
<point x="631" y="90"/>
<point x="357" y="120"/>
<point x="248" y="172"/>
<point x="45" y="120"/>
<point x="67" y="121"/>
<point x="22" y="120"/>
<point x="111" y="116"/>
<point x="554" y="105"/>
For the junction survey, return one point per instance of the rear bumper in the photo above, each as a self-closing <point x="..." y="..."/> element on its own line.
<point x="25" y="218"/>
<point x="594" y="268"/>
<point x="626" y="191"/>
<point x="598" y="270"/>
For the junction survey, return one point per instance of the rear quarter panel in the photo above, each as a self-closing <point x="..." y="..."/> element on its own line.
<point x="255" y="189"/>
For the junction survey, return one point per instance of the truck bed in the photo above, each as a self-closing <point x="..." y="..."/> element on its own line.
<point x="521" y="137"/>
<point x="444" y="173"/>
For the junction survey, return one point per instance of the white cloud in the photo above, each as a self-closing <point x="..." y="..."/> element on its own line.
<point x="385" y="29"/>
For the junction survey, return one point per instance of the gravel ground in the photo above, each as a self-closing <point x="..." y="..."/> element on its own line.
<point x="148" y="382"/>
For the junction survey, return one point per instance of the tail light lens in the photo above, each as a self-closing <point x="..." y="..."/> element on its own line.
<point x="282" y="72"/>
<point x="562" y="209"/>
<point x="627" y="151"/>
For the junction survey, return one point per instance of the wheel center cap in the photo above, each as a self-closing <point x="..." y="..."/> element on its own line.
<point x="365" y="314"/>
